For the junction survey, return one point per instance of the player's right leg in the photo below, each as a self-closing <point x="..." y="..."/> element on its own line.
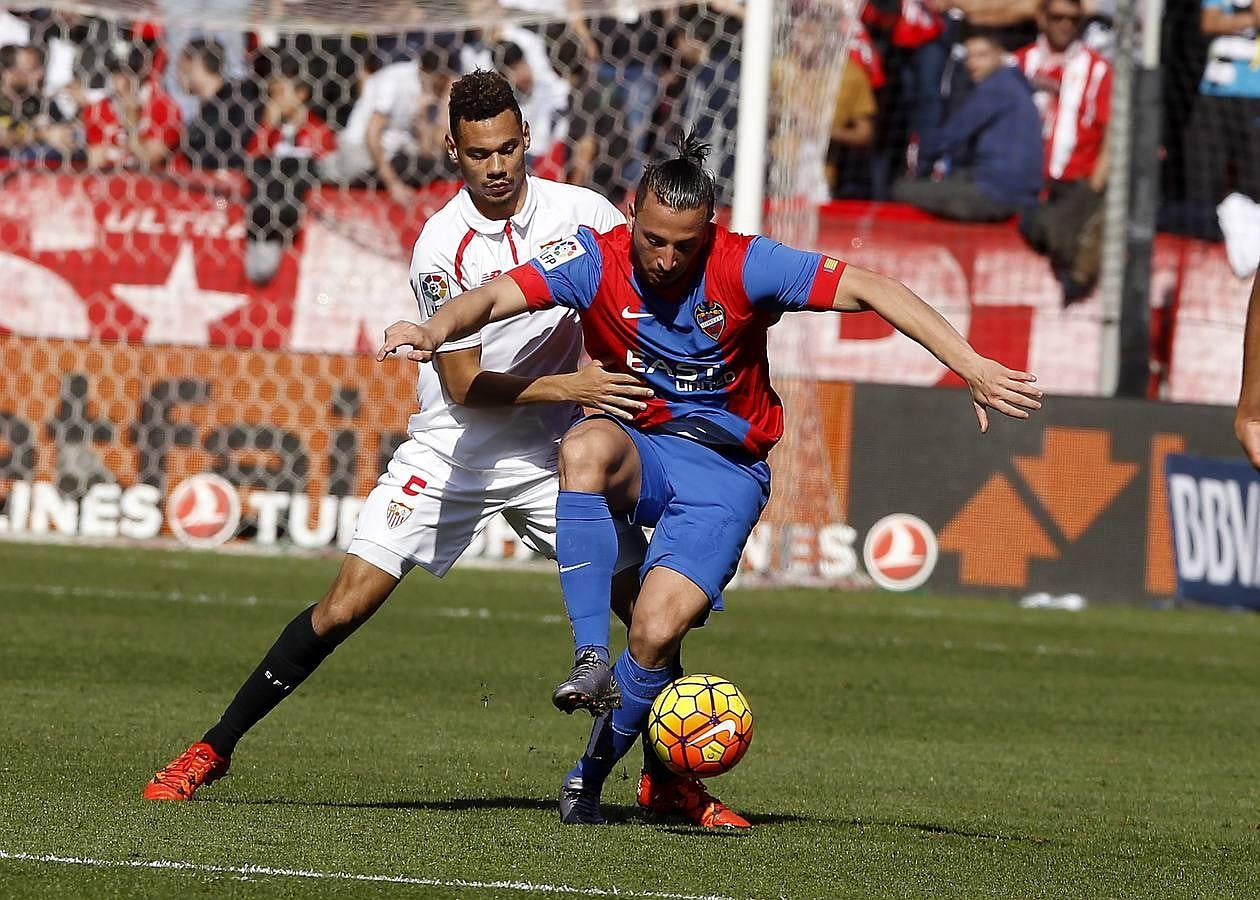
<point x="359" y="590"/>
<point x="599" y="473"/>
<point x="531" y="511"/>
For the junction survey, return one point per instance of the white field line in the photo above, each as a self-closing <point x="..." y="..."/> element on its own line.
<point x="270" y="872"/>
<point x="445" y="612"/>
<point x="57" y="590"/>
<point x="487" y="614"/>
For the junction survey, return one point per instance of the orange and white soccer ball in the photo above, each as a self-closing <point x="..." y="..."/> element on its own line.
<point x="700" y="725"/>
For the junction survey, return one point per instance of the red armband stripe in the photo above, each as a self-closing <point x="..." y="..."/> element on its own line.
<point x="532" y="284"/>
<point x="822" y="293"/>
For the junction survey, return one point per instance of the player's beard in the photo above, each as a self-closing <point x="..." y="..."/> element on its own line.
<point x="666" y="282"/>
<point x="504" y="204"/>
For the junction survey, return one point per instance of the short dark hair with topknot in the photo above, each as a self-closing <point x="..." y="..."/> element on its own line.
<point x="682" y="182"/>
<point x="481" y="95"/>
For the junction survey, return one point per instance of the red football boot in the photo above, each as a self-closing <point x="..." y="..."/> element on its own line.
<point x="687" y="797"/>
<point x="197" y="765"/>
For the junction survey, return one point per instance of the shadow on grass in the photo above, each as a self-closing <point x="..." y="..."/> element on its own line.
<point x="945" y="830"/>
<point x="677" y="824"/>
<point x="615" y="814"/>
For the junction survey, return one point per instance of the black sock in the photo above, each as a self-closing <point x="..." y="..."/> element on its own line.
<point x="294" y="656"/>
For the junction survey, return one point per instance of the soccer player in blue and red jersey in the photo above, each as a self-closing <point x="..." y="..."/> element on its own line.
<point x="685" y="305"/>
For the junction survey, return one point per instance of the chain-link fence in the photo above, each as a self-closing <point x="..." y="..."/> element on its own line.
<point x="206" y="212"/>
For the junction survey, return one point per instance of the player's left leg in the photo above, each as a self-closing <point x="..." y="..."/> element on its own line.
<point x="625" y="591"/>
<point x="668" y="603"/>
<point x="359" y="590"/>
<point x="671" y="598"/>
<point x="400" y="526"/>
<point x="704" y="505"/>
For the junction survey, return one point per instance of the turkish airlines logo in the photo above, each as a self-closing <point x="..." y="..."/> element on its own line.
<point x="204" y="510"/>
<point x="900" y="552"/>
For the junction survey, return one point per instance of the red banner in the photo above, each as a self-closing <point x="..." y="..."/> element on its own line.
<point x="151" y="261"/>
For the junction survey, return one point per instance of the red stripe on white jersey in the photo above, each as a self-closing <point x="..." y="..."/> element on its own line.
<point x="507" y="231"/>
<point x="459" y="258"/>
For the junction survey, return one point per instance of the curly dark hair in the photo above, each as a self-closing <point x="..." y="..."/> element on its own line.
<point x="481" y="95"/>
<point x="682" y="182"/>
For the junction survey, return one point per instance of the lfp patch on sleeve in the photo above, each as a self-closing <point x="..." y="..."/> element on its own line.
<point x="432" y="290"/>
<point x="559" y="253"/>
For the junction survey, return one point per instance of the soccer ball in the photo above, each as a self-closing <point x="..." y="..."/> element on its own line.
<point x="700" y="725"/>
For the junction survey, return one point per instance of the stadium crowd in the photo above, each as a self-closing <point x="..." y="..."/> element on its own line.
<point x="976" y="110"/>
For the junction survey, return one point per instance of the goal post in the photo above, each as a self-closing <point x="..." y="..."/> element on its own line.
<point x="754" y="107"/>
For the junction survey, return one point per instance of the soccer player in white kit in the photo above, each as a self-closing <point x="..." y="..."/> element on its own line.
<point x="493" y="410"/>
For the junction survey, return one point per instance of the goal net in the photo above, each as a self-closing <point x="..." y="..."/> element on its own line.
<point x="804" y="536"/>
<point x="187" y="342"/>
<point x="194" y="271"/>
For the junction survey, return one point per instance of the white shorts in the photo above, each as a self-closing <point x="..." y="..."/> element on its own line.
<point x="425" y="512"/>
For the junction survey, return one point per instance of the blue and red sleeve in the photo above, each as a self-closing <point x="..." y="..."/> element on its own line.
<point x="565" y="273"/>
<point x="783" y="278"/>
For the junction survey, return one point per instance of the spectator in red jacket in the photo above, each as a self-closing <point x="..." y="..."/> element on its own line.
<point x="282" y="168"/>
<point x="1072" y="88"/>
<point x="136" y="123"/>
<point x="289" y="127"/>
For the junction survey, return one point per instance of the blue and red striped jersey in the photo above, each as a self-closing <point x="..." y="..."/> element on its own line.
<point x="702" y="349"/>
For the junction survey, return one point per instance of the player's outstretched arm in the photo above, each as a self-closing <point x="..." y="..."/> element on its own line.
<point x="468" y="313"/>
<point x="992" y="385"/>
<point x="1247" y="418"/>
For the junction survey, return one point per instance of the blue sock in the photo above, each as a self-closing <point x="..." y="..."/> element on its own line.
<point x="586" y="551"/>
<point x="614" y="734"/>
<point x="651" y="762"/>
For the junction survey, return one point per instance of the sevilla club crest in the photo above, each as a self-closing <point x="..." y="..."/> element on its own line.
<point x="396" y="513"/>
<point x="711" y="318"/>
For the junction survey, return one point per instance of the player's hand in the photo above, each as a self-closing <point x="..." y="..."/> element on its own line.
<point x="993" y="386"/>
<point x="408" y="334"/>
<point x="615" y="393"/>
<point x="1247" y="428"/>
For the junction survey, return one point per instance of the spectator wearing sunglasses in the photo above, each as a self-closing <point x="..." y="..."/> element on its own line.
<point x="1072" y="89"/>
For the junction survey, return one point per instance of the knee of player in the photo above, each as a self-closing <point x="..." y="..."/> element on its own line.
<point x="336" y="616"/>
<point x="347" y="605"/>
<point x="653" y="641"/>
<point x="588" y="455"/>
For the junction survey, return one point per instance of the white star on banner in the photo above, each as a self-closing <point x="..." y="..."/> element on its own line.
<point x="179" y="312"/>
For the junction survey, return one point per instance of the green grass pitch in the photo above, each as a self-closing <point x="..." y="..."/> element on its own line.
<point x="906" y="746"/>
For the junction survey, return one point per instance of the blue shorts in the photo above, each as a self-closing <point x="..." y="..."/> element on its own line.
<point x="703" y="504"/>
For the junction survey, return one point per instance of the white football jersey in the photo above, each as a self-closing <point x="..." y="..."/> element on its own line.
<point x="460" y="249"/>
